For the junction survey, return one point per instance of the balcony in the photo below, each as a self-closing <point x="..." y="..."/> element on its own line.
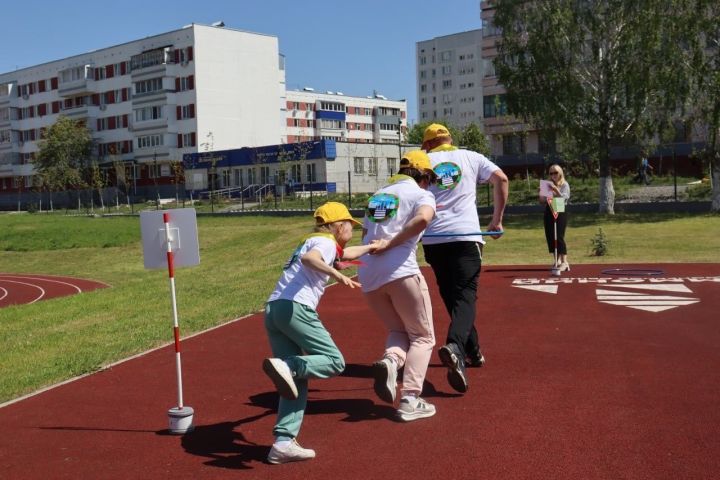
<point x="77" y="87"/>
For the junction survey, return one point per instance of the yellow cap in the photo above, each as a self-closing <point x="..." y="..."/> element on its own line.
<point x="416" y="159"/>
<point x="434" y="131"/>
<point x="333" y="212"/>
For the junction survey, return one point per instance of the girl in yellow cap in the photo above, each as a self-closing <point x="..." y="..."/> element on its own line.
<point x="302" y="348"/>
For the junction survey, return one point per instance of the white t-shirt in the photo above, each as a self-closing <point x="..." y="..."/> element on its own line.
<point x="299" y="283"/>
<point x="459" y="171"/>
<point x="387" y="212"/>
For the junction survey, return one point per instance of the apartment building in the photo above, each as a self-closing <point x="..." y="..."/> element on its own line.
<point x="332" y="115"/>
<point x="148" y="102"/>
<point x="449" y="78"/>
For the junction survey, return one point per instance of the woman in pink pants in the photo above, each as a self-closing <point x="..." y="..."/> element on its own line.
<point x="396" y="217"/>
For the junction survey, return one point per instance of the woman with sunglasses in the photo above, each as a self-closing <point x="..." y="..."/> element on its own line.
<point x="560" y="188"/>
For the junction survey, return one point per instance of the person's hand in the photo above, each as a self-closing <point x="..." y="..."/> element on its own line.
<point x="555" y="188"/>
<point x="495" y="227"/>
<point x="379" y="246"/>
<point x="347" y="281"/>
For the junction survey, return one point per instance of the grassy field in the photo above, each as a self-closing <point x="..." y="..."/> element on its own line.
<point x="241" y="257"/>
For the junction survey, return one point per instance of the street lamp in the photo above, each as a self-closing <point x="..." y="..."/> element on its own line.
<point x="399" y="139"/>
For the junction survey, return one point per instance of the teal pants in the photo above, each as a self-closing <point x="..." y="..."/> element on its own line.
<point x="298" y="336"/>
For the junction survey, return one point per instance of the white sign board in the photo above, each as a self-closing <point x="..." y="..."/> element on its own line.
<point x="183" y="238"/>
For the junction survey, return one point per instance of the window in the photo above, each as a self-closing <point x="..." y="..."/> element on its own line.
<point x="153" y="170"/>
<point x="372" y="166"/>
<point x="513" y="144"/>
<point x="225" y="178"/>
<point x="5" y="136"/>
<point x="148" y="113"/>
<point x="73" y="74"/>
<point x="494" y="106"/>
<point x="296" y="173"/>
<point x="447" y="70"/>
<point x="337" y="124"/>
<point x="187" y="111"/>
<point x="359" y="165"/>
<point x="149" y="141"/>
<point x="264" y="175"/>
<point x="391" y="165"/>
<point x="148" y="59"/>
<point x="251" y="176"/>
<point x="147" y="86"/>
<point x="445" y="56"/>
<point x="310" y="173"/>
<point x="332" y="106"/>
<point x="447" y="84"/>
<point x="188" y="139"/>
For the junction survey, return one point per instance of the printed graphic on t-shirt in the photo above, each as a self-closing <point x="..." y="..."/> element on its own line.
<point x="449" y="175"/>
<point x="382" y="206"/>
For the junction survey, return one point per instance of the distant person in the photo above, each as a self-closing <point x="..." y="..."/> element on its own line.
<point x="645" y="171"/>
<point x="396" y="216"/>
<point x="301" y="346"/>
<point x="560" y="188"/>
<point x="456" y="255"/>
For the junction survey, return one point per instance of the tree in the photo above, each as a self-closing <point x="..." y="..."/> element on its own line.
<point x="474" y="139"/>
<point x="701" y="19"/>
<point x="415" y="133"/>
<point x="64" y="157"/>
<point x="599" y="72"/>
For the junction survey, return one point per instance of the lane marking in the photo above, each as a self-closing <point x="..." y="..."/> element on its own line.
<point x="42" y="290"/>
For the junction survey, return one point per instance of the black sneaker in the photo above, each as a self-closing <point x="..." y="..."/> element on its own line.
<point x="450" y="357"/>
<point x="475" y="359"/>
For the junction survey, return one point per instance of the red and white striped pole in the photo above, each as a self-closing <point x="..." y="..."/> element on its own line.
<point x="181" y="416"/>
<point x="556" y="268"/>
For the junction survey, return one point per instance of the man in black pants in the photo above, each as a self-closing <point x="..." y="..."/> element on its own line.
<point x="452" y="245"/>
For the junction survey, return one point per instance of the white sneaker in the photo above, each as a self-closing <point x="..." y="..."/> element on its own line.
<point x="385" y="373"/>
<point x="293" y="452"/>
<point x="422" y="409"/>
<point x="280" y="374"/>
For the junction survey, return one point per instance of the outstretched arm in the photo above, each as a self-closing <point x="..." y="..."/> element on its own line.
<point x="314" y="260"/>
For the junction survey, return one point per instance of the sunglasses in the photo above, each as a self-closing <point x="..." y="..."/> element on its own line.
<point x="555" y="173"/>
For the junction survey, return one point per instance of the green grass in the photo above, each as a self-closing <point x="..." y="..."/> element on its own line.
<point x="241" y="257"/>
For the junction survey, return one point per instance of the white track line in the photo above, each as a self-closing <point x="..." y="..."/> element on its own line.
<point x="6" y="293"/>
<point x="42" y="290"/>
<point x="43" y="279"/>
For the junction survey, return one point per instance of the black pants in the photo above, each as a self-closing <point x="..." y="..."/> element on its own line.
<point x="457" y="269"/>
<point x="549" y="234"/>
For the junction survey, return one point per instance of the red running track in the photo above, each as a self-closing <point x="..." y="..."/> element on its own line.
<point x="575" y="387"/>
<point x="20" y="289"/>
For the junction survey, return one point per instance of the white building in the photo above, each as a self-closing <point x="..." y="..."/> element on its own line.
<point x="334" y="116"/>
<point x="149" y="101"/>
<point x="449" y="78"/>
<point x="319" y="165"/>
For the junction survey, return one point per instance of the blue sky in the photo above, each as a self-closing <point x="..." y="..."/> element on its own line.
<point x="354" y="47"/>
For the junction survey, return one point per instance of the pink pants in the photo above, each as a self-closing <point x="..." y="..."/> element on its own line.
<point x="404" y="307"/>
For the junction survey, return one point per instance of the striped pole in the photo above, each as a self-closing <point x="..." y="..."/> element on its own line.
<point x="176" y="328"/>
